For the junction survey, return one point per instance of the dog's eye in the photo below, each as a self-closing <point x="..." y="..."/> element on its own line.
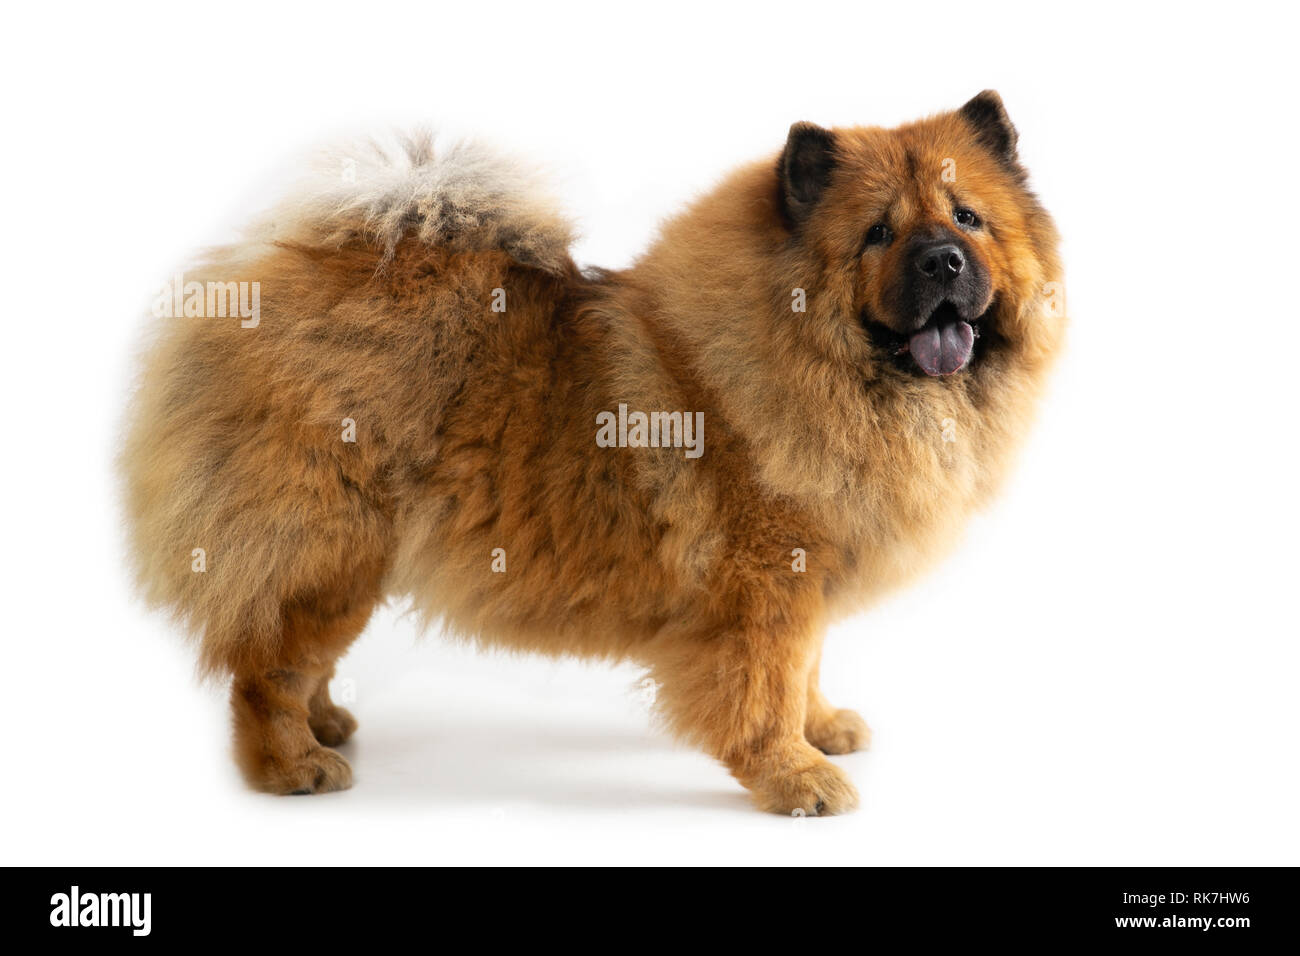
<point x="965" y="217"/>
<point x="878" y="234"/>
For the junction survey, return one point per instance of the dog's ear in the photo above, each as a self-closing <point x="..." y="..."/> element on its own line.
<point x="988" y="118"/>
<point x="804" y="170"/>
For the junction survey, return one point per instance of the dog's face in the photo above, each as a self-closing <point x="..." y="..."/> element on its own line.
<point x="927" y="233"/>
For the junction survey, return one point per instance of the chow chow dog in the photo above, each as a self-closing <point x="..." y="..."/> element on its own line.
<point x="784" y="408"/>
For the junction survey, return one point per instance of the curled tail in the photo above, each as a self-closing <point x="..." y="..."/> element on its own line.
<point x="463" y="196"/>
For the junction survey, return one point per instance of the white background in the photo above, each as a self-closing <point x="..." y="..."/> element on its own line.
<point x="1103" y="673"/>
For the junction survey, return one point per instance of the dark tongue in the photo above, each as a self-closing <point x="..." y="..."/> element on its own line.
<point x="942" y="348"/>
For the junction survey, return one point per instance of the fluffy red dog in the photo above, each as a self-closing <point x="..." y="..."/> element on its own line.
<point x="784" y="408"/>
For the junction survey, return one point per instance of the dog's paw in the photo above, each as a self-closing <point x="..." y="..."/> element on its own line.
<point x="821" y="790"/>
<point x="332" y="726"/>
<point x="320" y="770"/>
<point x="838" y="732"/>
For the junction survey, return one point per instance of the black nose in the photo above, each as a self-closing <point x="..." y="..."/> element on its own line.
<point x="944" y="262"/>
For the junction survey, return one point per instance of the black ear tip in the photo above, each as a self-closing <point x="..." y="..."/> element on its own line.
<point x="986" y="109"/>
<point x="988" y="97"/>
<point x="806" y="136"/>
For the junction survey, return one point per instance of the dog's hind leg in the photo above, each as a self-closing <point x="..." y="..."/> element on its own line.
<point x="330" y="723"/>
<point x="285" y="723"/>
<point x="832" y="730"/>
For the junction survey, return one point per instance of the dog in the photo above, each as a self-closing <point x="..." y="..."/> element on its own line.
<point x="785" y="408"/>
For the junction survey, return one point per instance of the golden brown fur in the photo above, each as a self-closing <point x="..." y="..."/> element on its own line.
<point x="475" y="431"/>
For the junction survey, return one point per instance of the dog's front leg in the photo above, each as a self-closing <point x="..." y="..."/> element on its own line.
<point x="742" y="694"/>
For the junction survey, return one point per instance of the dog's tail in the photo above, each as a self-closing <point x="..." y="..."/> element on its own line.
<point x="463" y="196"/>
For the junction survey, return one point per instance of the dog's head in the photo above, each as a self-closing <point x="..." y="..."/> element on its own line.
<point x="927" y="234"/>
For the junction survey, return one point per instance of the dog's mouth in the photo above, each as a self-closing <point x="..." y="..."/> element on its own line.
<point x="943" y="346"/>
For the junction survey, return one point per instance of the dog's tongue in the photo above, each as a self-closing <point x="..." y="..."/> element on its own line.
<point x="943" y="348"/>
